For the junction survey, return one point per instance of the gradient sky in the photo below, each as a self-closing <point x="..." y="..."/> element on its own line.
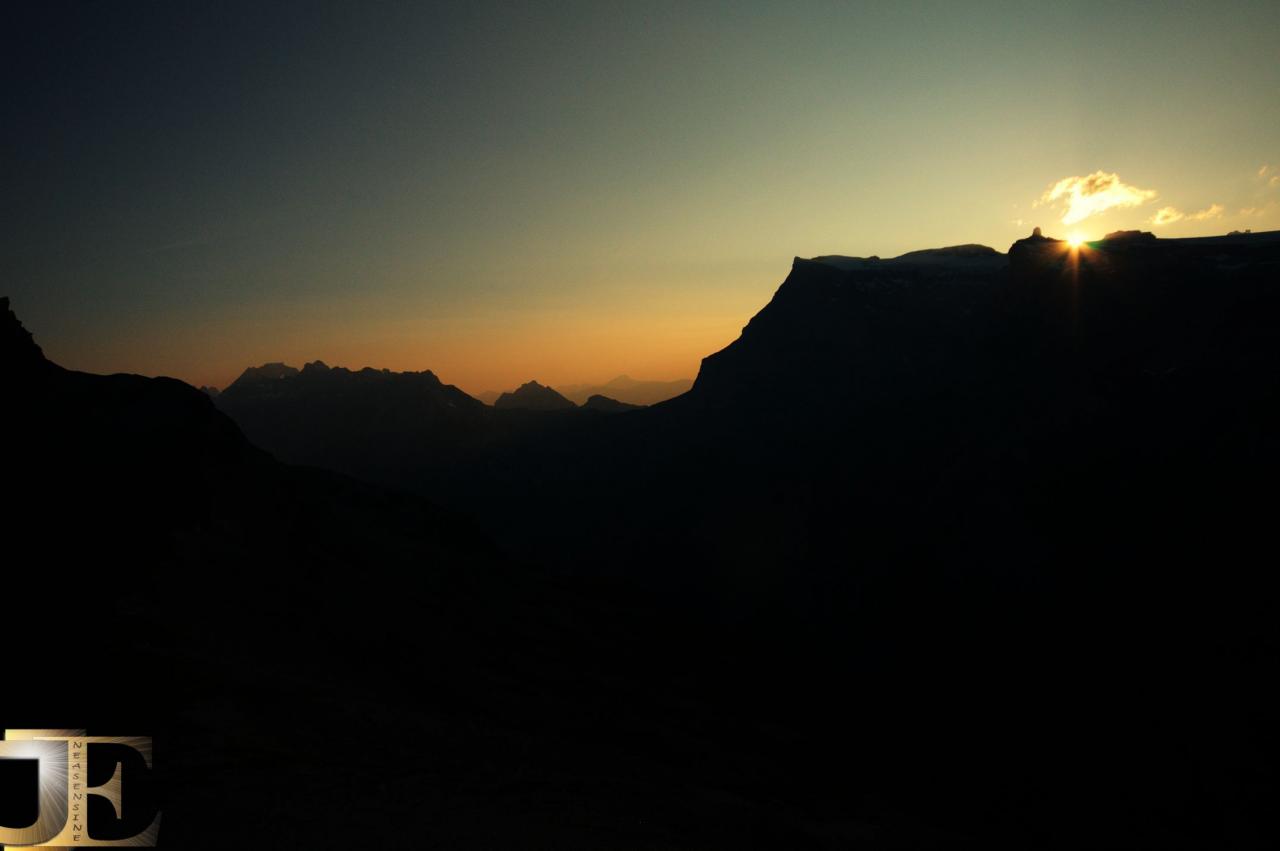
<point x="568" y="191"/>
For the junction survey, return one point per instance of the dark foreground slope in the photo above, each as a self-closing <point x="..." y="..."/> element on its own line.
<point x="325" y="664"/>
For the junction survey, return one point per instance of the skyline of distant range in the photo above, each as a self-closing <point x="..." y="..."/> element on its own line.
<point x="573" y="192"/>
<point x="622" y="386"/>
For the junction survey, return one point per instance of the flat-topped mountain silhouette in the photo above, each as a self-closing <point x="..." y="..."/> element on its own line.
<point x="1020" y="476"/>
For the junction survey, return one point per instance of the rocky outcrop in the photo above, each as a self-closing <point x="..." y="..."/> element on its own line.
<point x="18" y="350"/>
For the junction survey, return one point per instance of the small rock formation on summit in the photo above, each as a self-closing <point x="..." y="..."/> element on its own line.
<point x="1038" y="236"/>
<point x="532" y="396"/>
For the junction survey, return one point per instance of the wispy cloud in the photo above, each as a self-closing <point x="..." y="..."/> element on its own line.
<point x="1169" y="215"/>
<point x="1213" y="211"/>
<point x="1093" y="194"/>
<point x="1267" y="174"/>
<point x="1260" y="210"/>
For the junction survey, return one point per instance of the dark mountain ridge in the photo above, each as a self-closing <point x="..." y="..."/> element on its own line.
<point x="1039" y="479"/>
<point x="977" y="547"/>
<point x="532" y="396"/>
<point x="194" y="590"/>
<point x="604" y="404"/>
<point x="368" y="421"/>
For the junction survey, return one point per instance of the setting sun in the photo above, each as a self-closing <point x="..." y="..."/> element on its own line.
<point x="1075" y="241"/>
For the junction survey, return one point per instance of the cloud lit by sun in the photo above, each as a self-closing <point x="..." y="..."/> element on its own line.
<point x="1093" y="194"/>
<point x="1169" y="215"/>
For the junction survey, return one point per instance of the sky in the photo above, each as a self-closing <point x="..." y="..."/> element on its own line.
<point x="565" y="192"/>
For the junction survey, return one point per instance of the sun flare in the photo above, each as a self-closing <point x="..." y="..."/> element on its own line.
<point x="1075" y="241"/>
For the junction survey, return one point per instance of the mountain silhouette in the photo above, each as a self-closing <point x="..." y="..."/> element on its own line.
<point x="532" y="396"/>
<point x="232" y="597"/>
<point x="394" y="428"/>
<point x="626" y="389"/>
<point x="201" y="565"/>
<point x="953" y="549"/>
<point x="606" y="405"/>
<point x="367" y="421"/>
<point x="265" y="375"/>
<point x="1022" y="477"/>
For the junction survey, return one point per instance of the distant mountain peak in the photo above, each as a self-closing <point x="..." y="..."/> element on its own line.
<point x="533" y="396"/>
<point x="265" y="373"/>
<point x="319" y="371"/>
<point x="623" y="388"/>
